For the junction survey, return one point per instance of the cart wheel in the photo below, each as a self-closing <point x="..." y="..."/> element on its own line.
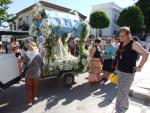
<point x="68" y="80"/>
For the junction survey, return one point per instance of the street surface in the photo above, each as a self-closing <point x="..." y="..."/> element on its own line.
<point x="55" y="98"/>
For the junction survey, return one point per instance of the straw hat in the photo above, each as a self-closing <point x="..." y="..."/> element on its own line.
<point x="33" y="46"/>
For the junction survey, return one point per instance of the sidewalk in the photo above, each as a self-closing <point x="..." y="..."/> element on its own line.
<point x="136" y="106"/>
<point x="141" y="86"/>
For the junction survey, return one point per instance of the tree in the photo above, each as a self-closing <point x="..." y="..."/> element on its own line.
<point x="144" y="5"/>
<point x="131" y="17"/>
<point x="99" y="20"/>
<point x="4" y="16"/>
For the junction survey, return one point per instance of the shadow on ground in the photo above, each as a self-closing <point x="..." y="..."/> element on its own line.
<point x="108" y="93"/>
<point x="12" y="100"/>
<point x="68" y="95"/>
<point x="80" y="92"/>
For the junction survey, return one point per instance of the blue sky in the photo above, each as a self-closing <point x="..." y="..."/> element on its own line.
<point x="83" y="6"/>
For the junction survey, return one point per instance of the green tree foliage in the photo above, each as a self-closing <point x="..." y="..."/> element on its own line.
<point x="3" y="10"/>
<point x="99" y="20"/>
<point x="144" y="5"/>
<point x="131" y="17"/>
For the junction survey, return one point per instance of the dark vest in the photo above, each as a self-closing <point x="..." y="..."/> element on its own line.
<point x="97" y="53"/>
<point x="127" y="59"/>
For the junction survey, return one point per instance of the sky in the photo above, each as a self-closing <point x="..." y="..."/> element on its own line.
<point x="83" y="6"/>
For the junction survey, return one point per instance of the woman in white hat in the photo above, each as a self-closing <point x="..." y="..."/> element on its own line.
<point x="32" y="58"/>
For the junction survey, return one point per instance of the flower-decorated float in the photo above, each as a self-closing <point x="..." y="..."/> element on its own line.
<point x="50" y="31"/>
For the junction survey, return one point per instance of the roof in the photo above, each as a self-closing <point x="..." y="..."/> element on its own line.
<point x="50" y="5"/>
<point x="108" y="5"/>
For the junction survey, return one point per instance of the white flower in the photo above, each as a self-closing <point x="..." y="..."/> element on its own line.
<point x="84" y="61"/>
<point x="33" y="30"/>
<point x="35" y="33"/>
<point x="70" y="65"/>
<point x="50" y="63"/>
<point x="61" y="67"/>
<point x="55" y="56"/>
<point x="50" y="68"/>
<point x="37" y="9"/>
<point x="45" y="28"/>
<point x="76" y="66"/>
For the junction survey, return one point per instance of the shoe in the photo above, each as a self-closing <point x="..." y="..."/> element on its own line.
<point x="30" y="104"/>
<point x="35" y="98"/>
<point x="105" y="79"/>
<point x="91" y="83"/>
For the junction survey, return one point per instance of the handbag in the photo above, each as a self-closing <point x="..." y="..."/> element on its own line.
<point x="113" y="78"/>
<point x="25" y="69"/>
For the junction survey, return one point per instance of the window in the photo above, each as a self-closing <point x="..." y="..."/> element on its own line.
<point x="20" y="19"/>
<point x="19" y="23"/>
<point x="15" y="28"/>
<point x="115" y="19"/>
<point x="27" y="19"/>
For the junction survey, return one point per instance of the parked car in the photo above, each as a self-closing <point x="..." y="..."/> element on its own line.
<point x="9" y="71"/>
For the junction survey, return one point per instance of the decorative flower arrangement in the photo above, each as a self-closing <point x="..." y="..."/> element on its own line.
<point x="65" y="64"/>
<point x="83" y="53"/>
<point x="45" y="28"/>
<point x="87" y="29"/>
<point x="37" y="10"/>
<point x="33" y="30"/>
<point x="55" y="63"/>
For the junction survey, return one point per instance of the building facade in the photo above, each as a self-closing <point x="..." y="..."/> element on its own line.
<point x="23" y="19"/>
<point x="112" y="11"/>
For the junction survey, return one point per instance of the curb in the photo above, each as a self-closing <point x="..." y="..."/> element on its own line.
<point x="140" y="93"/>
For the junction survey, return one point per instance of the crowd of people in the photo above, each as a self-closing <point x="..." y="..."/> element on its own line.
<point x="118" y="54"/>
<point x="105" y="57"/>
<point x="115" y="55"/>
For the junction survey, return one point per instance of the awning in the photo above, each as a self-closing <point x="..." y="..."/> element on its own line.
<point x="64" y="22"/>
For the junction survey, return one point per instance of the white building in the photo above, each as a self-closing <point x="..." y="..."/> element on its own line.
<point x="112" y="11"/>
<point x="23" y="19"/>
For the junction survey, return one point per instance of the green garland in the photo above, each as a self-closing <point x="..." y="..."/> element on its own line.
<point x="81" y="46"/>
<point x="49" y="43"/>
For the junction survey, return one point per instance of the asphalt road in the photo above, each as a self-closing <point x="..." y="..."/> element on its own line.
<point x="55" y="98"/>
